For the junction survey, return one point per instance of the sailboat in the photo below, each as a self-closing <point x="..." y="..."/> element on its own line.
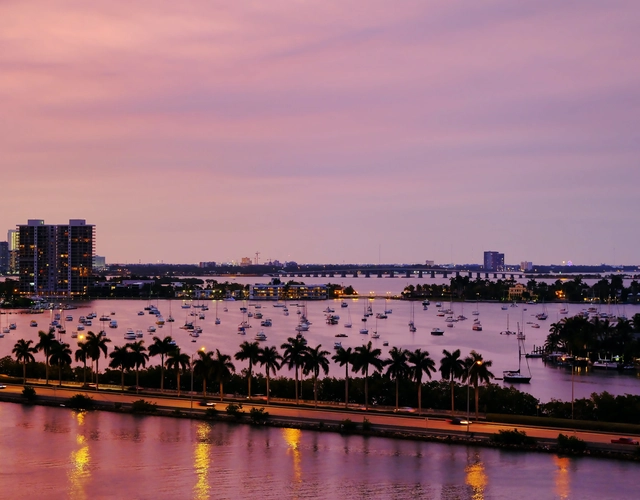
<point x="217" y="317"/>
<point x="507" y="331"/>
<point x="516" y="376"/>
<point x="412" y="325"/>
<point x="364" y="330"/>
<point x="348" y="323"/>
<point x="375" y="334"/>
<point x="543" y="315"/>
<point x="170" y="318"/>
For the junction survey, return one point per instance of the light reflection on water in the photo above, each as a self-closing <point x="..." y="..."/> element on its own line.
<point x="201" y="454"/>
<point x="108" y="455"/>
<point x="562" y="478"/>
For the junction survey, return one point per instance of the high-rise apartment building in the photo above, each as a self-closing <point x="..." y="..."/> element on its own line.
<point x="13" y="240"/>
<point x="4" y="257"/>
<point x="55" y="259"/>
<point x="493" y="261"/>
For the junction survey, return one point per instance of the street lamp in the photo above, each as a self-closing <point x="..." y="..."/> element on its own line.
<point x="479" y="362"/>
<point x="192" y="356"/>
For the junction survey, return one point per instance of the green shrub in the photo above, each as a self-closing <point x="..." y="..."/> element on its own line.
<point x="177" y="412"/>
<point x="117" y="406"/>
<point x="571" y="443"/>
<point x="366" y="424"/>
<point x="210" y="412"/>
<point x="142" y="406"/>
<point x="347" y="425"/>
<point x="29" y="393"/>
<point x="80" y="402"/>
<point x="258" y="415"/>
<point x="514" y="437"/>
<point x="235" y="410"/>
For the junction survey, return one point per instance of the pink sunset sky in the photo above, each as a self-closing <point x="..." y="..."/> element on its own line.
<point x="326" y="131"/>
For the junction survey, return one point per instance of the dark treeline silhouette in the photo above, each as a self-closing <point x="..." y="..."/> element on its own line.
<point x="401" y="379"/>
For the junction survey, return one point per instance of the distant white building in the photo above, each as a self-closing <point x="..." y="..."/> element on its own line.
<point x="269" y="291"/>
<point x="526" y="266"/>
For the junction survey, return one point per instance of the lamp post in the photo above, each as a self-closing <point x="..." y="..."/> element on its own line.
<point x="468" y="384"/>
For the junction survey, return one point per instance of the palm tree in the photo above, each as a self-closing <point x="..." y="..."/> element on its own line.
<point x="82" y="354"/>
<point x="315" y="360"/>
<point x="96" y="344"/>
<point x="248" y="351"/>
<point x="24" y="354"/>
<point x="204" y="366"/>
<point x="61" y="356"/>
<point x="397" y="368"/>
<point x="452" y="368"/>
<point x="161" y="348"/>
<point x="47" y="339"/>
<point x="293" y="357"/>
<point x="477" y="371"/>
<point x="139" y="357"/>
<point x="270" y="358"/>
<point x="365" y="357"/>
<point x="177" y="360"/>
<point x="345" y="357"/>
<point x="222" y="369"/>
<point x="120" y="359"/>
<point x="422" y="363"/>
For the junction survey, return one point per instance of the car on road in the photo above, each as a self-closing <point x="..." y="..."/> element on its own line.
<point x="624" y="440"/>
<point x="459" y="421"/>
<point x="204" y="402"/>
<point x="405" y="409"/>
<point x="2" y="386"/>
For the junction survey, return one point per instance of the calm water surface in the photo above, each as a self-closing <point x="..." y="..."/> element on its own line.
<point x="56" y="453"/>
<point x="547" y="382"/>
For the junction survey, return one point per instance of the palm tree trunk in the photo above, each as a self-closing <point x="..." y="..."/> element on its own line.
<point x="137" y="383"/>
<point x="97" y="368"/>
<point x="204" y="386"/>
<point x="122" y="378"/>
<point x="366" y="389"/>
<point x="178" y="380"/>
<point x="397" y="392"/>
<point x="46" y="370"/>
<point x="419" y="397"/>
<point x="59" y="375"/>
<point x="221" y="390"/>
<point x="346" y="387"/>
<point x="249" y="380"/>
<point x="268" y="391"/>
<point x="162" y="373"/>
<point x="84" y="372"/>
<point x="315" y="391"/>
<point x="24" y="373"/>
<point x="477" y="391"/>
<point x="297" y="401"/>
<point x="452" y="398"/>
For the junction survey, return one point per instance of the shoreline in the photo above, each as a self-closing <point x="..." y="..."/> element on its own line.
<point x="318" y="419"/>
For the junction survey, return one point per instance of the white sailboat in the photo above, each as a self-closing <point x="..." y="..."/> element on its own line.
<point x="364" y="330"/>
<point x="412" y="324"/>
<point x="348" y="324"/>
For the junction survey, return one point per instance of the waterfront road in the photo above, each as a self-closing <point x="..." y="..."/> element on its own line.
<point x="329" y="414"/>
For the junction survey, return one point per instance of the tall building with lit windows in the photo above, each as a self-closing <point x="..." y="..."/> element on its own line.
<point x="13" y="240"/>
<point x="493" y="261"/>
<point x="55" y="259"/>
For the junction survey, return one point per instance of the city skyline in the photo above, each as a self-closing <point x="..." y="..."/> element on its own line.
<point x="319" y="132"/>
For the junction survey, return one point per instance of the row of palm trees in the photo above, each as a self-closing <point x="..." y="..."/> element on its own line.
<point x="402" y="364"/>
